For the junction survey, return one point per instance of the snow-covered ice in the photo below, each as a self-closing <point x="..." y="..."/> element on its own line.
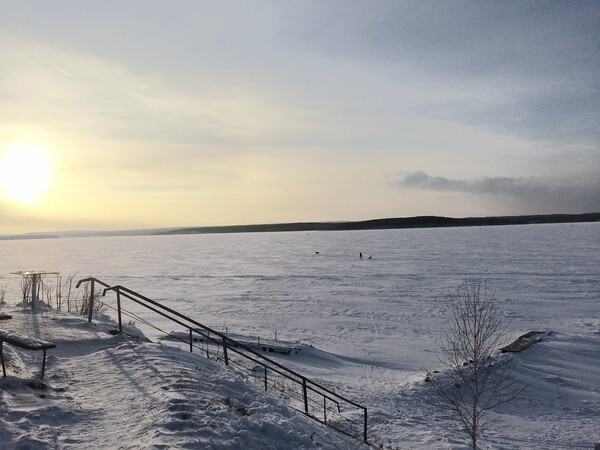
<point x="370" y="327"/>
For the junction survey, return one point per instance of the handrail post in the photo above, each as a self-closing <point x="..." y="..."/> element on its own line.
<point x="119" y="310"/>
<point x="91" y="302"/>
<point x="365" y="430"/>
<point x="325" y="409"/>
<point x="225" y="351"/>
<point x="191" y="340"/>
<point x="305" y="395"/>
<point x="265" y="378"/>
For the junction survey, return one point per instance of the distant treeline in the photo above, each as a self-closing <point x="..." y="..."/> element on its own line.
<point x="383" y="224"/>
<point x="375" y="224"/>
<point x="17" y="237"/>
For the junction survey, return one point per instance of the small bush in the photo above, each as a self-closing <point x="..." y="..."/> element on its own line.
<point x="237" y="406"/>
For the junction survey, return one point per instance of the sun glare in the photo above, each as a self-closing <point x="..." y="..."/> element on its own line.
<point x="25" y="172"/>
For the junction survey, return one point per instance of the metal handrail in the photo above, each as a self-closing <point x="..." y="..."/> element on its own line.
<point x="92" y="280"/>
<point x="228" y="344"/>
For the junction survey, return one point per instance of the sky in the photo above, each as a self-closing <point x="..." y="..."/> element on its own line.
<point x="148" y="114"/>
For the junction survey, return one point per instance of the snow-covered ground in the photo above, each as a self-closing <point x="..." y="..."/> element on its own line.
<point x="103" y="391"/>
<point x="373" y="325"/>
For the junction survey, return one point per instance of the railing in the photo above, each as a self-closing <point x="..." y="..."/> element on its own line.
<point x="301" y="393"/>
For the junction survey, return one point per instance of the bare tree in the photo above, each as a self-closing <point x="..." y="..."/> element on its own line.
<point x="477" y="377"/>
<point x="48" y="290"/>
<point x="26" y="289"/>
<point x="58" y="292"/>
<point x="98" y="307"/>
<point x="68" y="285"/>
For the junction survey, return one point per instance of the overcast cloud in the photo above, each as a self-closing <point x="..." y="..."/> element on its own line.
<point x="534" y="64"/>
<point x="256" y="111"/>
<point x="530" y="194"/>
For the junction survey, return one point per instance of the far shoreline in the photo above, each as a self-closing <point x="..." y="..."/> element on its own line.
<point x="373" y="224"/>
<point x="392" y="223"/>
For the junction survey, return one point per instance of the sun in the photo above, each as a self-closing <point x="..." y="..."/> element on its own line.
<point x="25" y="172"/>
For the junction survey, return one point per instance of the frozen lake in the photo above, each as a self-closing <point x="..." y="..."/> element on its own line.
<point x="535" y="270"/>
<point x="380" y="318"/>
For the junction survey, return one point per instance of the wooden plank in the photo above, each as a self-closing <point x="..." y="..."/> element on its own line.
<point x="28" y="343"/>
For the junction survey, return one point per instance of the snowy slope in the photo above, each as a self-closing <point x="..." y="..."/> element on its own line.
<point x="104" y="391"/>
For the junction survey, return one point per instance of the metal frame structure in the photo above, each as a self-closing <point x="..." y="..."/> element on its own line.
<point x="35" y="277"/>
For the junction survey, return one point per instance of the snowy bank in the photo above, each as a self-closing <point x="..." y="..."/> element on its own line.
<point x="114" y="391"/>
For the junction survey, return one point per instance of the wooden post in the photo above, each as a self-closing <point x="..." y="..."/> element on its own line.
<point x="2" y="358"/>
<point x="325" y="409"/>
<point x="191" y="340"/>
<point x="119" y="311"/>
<point x="43" y="365"/>
<point x="91" y="302"/>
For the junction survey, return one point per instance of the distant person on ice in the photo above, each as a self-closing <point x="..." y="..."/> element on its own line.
<point x="360" y="255"/>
